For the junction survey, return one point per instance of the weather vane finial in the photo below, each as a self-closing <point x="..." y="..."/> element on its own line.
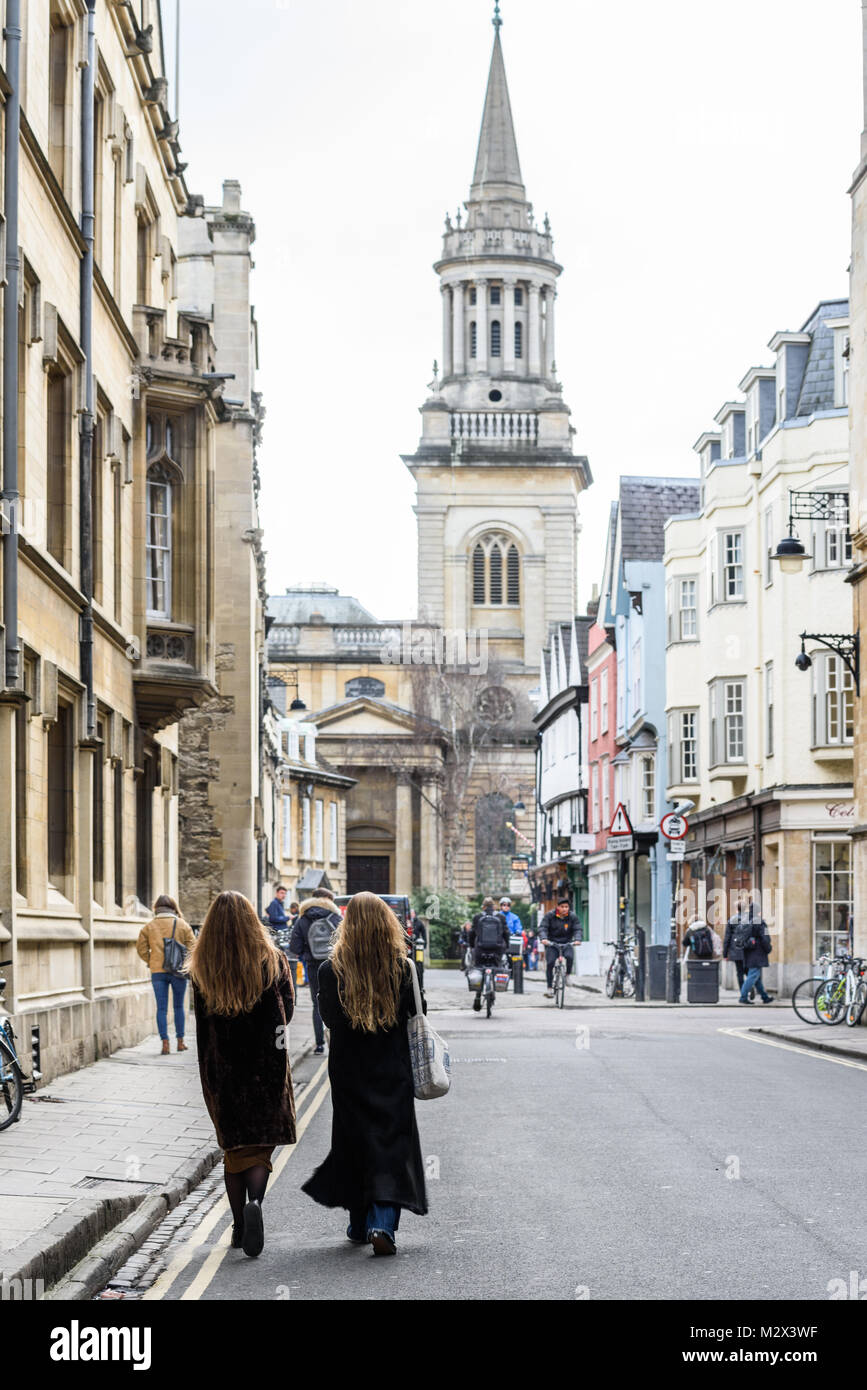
<point x="497" y="21"/>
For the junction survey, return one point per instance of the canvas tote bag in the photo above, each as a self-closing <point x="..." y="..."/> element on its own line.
<point x="428" y="1052"/>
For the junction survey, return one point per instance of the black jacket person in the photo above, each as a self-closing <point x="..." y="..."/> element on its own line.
<point x="561" y="928"/>
<point x="314" y="910"/>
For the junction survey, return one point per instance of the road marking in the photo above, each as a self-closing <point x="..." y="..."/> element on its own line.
<point x="218" y="1254"/>
<point x="803" y="1050"/>
<point x="160" y="1288"/>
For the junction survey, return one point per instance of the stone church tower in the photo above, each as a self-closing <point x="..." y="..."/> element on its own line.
<point x="497" y="480"/>
<point x="497" y="506"/>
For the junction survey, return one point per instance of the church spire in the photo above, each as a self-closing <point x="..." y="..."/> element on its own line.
<point x="498" y="171"/>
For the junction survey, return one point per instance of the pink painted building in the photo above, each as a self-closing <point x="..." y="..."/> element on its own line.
<point x="602" y="749"/>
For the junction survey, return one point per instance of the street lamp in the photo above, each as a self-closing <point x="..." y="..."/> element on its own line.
<point x="808" y="505"/>
<point x="843" y="644"/>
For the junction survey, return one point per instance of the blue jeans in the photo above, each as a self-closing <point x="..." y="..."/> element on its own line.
<point x="161" y="983"/>
<point x="753" y="980"/>
<point x="377" y="1218"/>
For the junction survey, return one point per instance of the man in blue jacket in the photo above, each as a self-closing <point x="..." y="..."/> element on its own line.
<point x="277" y="918"/>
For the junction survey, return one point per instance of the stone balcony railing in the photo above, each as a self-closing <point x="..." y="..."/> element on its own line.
<point x="496" y="426"/>
<point x="364" y="636"/>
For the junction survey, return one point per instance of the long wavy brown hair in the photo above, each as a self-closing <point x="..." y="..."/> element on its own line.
<point x="369" y="961"/>
<point x="233" y="961"/>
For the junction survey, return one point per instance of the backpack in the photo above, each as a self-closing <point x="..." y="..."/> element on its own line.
<point x="319" y="936"/>
<point x="743" y="934"/>
<point x="489" y="933"/>
<point x="174" y="954"/>
<point x="702" y="943"/>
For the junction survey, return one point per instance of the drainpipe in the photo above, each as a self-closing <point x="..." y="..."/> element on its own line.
<point x="86" y="335"/>
<point x="12" y="34"/>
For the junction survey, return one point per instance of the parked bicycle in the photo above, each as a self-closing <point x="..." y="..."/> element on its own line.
<point x="13" y="1083"/>
<point x="621" y="971"/>
<point x="845" y="995"/>
<point x="804" y="994"/>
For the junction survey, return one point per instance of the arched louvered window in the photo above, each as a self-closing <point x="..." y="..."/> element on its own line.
<point x="496" y="566"/>
<point x="473" y="338"/>
<point x="478" y="575"/>
<point x="513" y="575"/>
<point x="495" y="561"/>
<point x="496" y="338"/>
<point x="519" y="339"/>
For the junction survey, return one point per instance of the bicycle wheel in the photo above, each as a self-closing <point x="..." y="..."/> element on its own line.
<point x="830" y="1001"/>
<point x="560" y="988"/>
<point x="611" y="979"/>
<point x="804" y="999"/>
<point x="856" y="1008"/>
<point x="627" y="982"/>
<point x="11" y="1086"/>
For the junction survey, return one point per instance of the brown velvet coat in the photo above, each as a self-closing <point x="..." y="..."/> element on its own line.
<point x="244" y="1068"/>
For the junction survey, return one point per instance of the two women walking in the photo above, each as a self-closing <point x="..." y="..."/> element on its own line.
<point x="244" y="1001"/>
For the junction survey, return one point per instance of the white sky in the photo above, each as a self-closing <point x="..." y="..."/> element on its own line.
<point x="694" y="158"/>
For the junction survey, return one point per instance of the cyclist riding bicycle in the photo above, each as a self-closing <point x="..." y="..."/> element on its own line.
<point x="489" y="939"/>
<point x="558" y="930"/>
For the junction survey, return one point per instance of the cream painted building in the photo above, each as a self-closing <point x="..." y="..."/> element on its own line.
<point x="858" y="454"/>
<point x="497" y="511"/>
<point x="763" y="748"/>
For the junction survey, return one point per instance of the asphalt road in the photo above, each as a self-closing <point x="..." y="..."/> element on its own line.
<point x="605" y="1151"/>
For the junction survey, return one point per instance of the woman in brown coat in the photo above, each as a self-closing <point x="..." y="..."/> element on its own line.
<point x="151" y="947"/>
<point x="243" y="1000"/>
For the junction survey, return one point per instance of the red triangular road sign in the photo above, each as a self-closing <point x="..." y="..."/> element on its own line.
<point x="620" y="824"/>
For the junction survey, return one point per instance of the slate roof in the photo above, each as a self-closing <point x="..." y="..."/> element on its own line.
<point x="583" y="625"/>
<point x="817" y="388"/>
<point x="297" y="606"/>
<point x="645" y="506"/>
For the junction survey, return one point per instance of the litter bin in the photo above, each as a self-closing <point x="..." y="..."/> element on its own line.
<point x="657" y="966"/>
<point x="702" y="982"/>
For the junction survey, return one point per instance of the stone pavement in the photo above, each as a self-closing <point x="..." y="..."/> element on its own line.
<point x="97" y="1144"/>
<point x="819" y="1037"/>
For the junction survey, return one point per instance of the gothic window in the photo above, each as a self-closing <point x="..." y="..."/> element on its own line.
<point x="478" y="575"/>
<point x="496" y="571"/>
<point x="496" y="338"/>
<point x="519" y="338"/>
<point x="495" y="842"/>
<point x="473" y="338"/>
<point x="159" y="542"/>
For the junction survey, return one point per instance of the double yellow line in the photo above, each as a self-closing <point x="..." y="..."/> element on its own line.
<point x="310" y="1103"/>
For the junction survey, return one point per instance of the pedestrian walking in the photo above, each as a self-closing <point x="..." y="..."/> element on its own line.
<point x="244" y="1000"/>
<point x="756" y="948"/>
<point x="167" y="924"/>
<point x="277" y="911"/>
<point x="738" y="929"/>
<point x="374" y="1168"/>
<point x="311" y="939"/>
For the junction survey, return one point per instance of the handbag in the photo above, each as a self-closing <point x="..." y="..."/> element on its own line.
<point x="174" y="954"/>
<point x="429" y="1053"/>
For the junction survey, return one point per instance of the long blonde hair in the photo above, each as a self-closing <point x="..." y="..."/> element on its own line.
<point x="233" y="961"/>
<point x="369" y="961"/>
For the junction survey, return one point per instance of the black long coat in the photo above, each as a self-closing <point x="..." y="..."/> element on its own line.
<point x="375" y="1151"/>
<point x="244" y="1068"/>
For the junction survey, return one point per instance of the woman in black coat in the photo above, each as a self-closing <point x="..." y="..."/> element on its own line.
<point x="244" y="1001"/>
<point x="374" y="1168"/>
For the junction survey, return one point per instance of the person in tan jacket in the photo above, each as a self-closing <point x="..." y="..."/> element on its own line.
<point x="151" y="948"/>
